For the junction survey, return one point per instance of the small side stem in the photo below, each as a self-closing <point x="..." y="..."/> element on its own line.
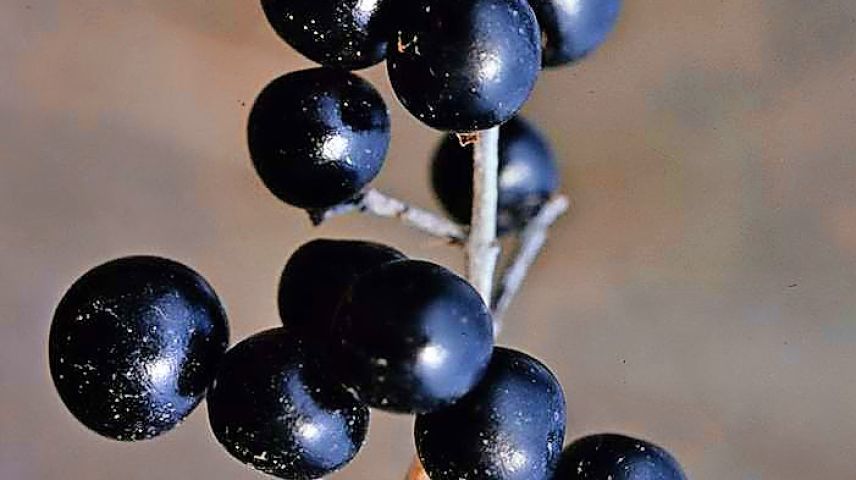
<point x="482" y="249"/>
<point x="531" y="241"/>
<point x="375" y="203"/>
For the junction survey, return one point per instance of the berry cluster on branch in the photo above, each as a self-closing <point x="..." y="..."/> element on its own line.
<point x="138" y="342"/>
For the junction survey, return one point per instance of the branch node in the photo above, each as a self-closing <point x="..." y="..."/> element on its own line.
<point x="468" y="138"/>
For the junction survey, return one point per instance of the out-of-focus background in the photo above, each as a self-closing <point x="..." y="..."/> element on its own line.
<point x="701" y="294"/>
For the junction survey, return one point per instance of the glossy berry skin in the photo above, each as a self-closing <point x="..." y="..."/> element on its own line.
<point x="316" y="278"/>
<point x="134" y="344"/>
<point x="574" y="28"/>
<point x="412" y="336"/>
<point x="464" y="65"/>
<point x="318" y="136"/>
<point x="528" y="175"/>
<point x="510" y="427"/>
<point x="616" y="457"/>
<point x="273" y="408"/>
<point x="349" y="34"/>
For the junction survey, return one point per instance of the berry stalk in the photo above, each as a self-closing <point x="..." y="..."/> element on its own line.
<point x="481" y="248"/>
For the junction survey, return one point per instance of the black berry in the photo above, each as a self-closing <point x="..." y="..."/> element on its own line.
<point x="134" y="344"/>
<point x="574" y="28"/>
<point x="510" y="427"/>
<point x="412" y="336"/>
<point x="464" y="65"/>
<point x="348" y="34"/>
<point x="616" y="457"/>
<point x="317" y="137"/>
<point x="528" y="175"/>
<point x="316" y="278"/>
<point x="272" y="407"/>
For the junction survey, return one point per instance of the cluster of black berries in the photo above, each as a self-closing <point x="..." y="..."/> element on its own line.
<point x="136" y="343"/>
<point x="317" y="137"/>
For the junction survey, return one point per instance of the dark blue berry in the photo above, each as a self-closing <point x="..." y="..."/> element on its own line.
<point x="134" y="344"/>
<point x="574" y="28"/>
<point x="616" y="457"/>
<point x="412" y="337"/>
<point x="274" y="408"/>
<point x="464" y="65"/>
<point x="528" y="175"/>
<point x="349" y="34"/>
<point x="317" y="137"/>
<point x="510" y="427"/>
<point x="316" y="278"/>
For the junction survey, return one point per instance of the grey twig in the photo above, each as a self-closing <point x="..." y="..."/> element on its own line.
<point x="481" y="248"/>
<point x="375" y="203"/>
<point x="529" y="245"/>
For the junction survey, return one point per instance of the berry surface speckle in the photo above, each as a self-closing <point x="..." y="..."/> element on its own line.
<point x="134" y="344"/>
<point x="274" y="408"/>
<point x="617" y="457"/>
<point x="318" y="136"/>
<point x="411" y="336"/>
<point x="510" y="427"/>
<point x="464" y="65"/>
<point x="349" y="34"/>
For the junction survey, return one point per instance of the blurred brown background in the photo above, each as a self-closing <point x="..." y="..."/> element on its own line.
<point x="701" y="294"/>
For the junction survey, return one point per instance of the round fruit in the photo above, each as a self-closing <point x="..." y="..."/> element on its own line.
<point x="412" y="336"/>
<point x="464" y="65"/>
<point x="574" y="28"/>
<point x="348" y="34"/>
<point x="317" y="276"/>
<point x="317" y="137"/>
<point x="134" y="344"/>
<point x="273" y="408"/>
<point x="527" y="175"/>
<point x="616" y="457"/>
<point x="510" y="427"/>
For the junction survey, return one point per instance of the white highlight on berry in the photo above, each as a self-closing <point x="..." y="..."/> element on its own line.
<point x="310" y="431"/>
<point x="363" y="10"/>
<point x="160" y="370"/>
<point x="433" y="355"/>
<point x="334" y="146"/>
<point x="573" y="7"/>
<point x="491" y="66"/>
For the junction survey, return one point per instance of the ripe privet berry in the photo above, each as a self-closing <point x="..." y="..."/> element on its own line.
<point x="510" y="427"/>
<point x="412" y="336"/>
<point x="134" y="344"/>
<point x="528" y="175"/>
<point x="318" y="136"/>
<point x="616" y="457"/>
<point x="574" y="28"/>
<point x="316" y="278"/>
<point x="348" y="34"/>
<point x="272" y="407"/>
<point x="464" y="65"/>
